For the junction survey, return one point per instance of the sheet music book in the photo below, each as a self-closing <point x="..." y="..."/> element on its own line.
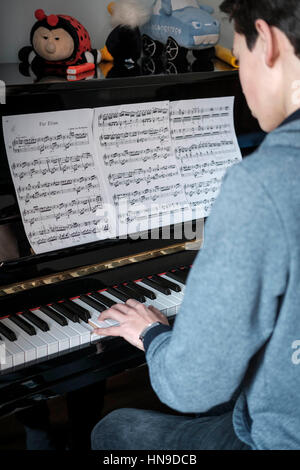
<point x="91" y="174"/>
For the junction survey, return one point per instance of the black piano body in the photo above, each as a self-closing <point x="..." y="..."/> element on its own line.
<point x="28" y="281"/>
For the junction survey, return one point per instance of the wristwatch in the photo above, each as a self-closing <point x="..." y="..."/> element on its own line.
<point x="148" y="327"/>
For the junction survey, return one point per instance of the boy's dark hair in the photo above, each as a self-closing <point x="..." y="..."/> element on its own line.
<point x="285" y="15"/>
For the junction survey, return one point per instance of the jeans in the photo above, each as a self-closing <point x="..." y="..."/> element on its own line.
<point x="133" y="429"/>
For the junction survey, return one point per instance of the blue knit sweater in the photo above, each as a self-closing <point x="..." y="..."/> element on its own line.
<point x="238" y="330"/>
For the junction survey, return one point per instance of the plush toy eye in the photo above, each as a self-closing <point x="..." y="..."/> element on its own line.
<point x="45" y="37"/>
<point x="57" y="39"/>
<point x="196" y="24"/>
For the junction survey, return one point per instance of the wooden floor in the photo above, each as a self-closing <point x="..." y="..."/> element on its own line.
<point x="129" y="389"/>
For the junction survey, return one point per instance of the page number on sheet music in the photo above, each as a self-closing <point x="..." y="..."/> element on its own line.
<point x="2" y="92"/>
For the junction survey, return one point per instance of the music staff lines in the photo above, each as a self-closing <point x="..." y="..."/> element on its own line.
<point x="198" y="133"/>
<point x="69" y="166"/>
<point x="75" y="207"/>
<point x="195" y="113"/>
<point x="148" y="194"/>
<point x="142" y="175"/>
<point x="134" y="137"/>
<point x="206" y="167"/>
<point x="58" y="183"/>
<point x="148" y="214"/>
<point x="72" y="230"/>
<point x="28" y="196"/>
<point x="134" y="122"/>
<point x="208" y="153"/>
<point x="50" y="143"/>
<point x="206" y="187"/>
<point x="50" y="166"/>
<point x="144" y="116"/>
<point x="132" y="156"/>
<point x="206" y="203"/>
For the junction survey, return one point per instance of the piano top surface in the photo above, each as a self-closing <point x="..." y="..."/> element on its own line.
<point x="51" y="93"/>
<point x="14" y="79"/>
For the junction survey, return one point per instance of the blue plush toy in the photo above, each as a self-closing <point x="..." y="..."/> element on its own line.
<point x="179" y="28"/>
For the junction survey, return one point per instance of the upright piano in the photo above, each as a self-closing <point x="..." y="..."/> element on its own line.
<point x="98" y="273"/>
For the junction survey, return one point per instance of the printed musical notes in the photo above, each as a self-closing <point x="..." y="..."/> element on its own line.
<point x="51" y="143"/>
<point x="56" y="176"/>
<point x="85" y="175"/>
<point x="43" y="166"/>
<point x="205" y="145"/>
<point x="139" y="164"/>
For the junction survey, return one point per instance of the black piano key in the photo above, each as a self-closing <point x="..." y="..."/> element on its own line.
<point x="63" y="310"/>
<point x="7" y="332"/>
<point x="24" y="325"/>
<point x="38" y="322"/>
<point x="184" y="272"/>
<point x="117" y="294"/>
<point x="166" y="283"/>
<point x="54" y="315"/>
<point x="177" y="276"/>
<point x="102" y="299"/>
<point x="155" y="285"/>
<point x="187" y="268"/>
<point x="142" y="290"/>
<point x="184" y="269"/>
<point x="83" y="314"/>
<point x="131" y="294"/>
<point x="92" y="303"/>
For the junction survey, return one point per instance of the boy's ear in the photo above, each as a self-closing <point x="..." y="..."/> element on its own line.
<point x="269" y="41"/>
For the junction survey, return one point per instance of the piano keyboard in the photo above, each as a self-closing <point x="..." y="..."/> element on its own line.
<point x="58" y="327"/>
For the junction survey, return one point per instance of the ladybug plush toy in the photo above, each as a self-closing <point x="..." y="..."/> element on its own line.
<point x="58" y="40"/>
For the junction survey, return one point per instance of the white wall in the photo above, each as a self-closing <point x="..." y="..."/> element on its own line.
<point x="226" y="27"/>
<point x="17" y="19"/>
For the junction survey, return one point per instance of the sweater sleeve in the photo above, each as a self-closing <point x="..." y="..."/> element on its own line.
<point x="230" y="303"/>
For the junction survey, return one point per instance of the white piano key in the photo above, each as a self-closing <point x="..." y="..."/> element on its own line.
<point x="84" y="333"/>
<point x="155" y="302"/>
<point x="177" y="297"/>
<point x="18" y="355"/>
<point x="110" y="321"/>
<point x="37" y="343"/>
<point x="70" y="332"/>
<point x="95" y="319"/>
<point x="61" y="338"/>
<point x="86" y="326"/>
<point x="6" y="361"/>
<point x="169" y="306"/>
<point x="95" y="314"/>
<point x="52" y="343"/>
<point x="95" y="323"/>
<point x="29" y="350"/>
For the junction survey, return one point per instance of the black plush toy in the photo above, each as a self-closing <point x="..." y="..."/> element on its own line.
<point x="124" y="43"/>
